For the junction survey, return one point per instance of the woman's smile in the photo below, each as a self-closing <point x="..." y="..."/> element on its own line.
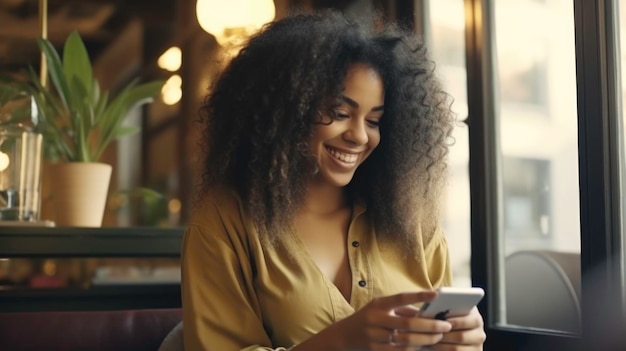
<point x="345" y="158"/>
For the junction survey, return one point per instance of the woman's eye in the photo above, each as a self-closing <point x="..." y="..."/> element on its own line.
<point x="341" y="115"/>
<point x="373" y="122"/>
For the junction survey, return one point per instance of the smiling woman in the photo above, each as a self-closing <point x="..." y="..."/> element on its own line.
<point x="348" y="133"/>
<point x="317" y="225"/>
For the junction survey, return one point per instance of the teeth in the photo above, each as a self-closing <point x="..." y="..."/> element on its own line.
<point x="342" y="156"/>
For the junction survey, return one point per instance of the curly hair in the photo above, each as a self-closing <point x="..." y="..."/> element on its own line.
<point x="261" y="111"/>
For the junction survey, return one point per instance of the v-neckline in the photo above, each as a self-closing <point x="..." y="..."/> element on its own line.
<point x="325" y="278"/>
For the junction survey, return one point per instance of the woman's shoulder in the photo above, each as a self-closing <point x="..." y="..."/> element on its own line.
<point x="222" y="194"/>
<point x="220" y="213"/>
<point x="221" y="201"/>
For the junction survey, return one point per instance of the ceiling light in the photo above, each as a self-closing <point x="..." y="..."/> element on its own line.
<point x="233" y="20"/>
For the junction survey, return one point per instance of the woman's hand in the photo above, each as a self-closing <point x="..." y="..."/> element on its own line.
<point x="384" y="324"/>
<point x="467" y="334"/>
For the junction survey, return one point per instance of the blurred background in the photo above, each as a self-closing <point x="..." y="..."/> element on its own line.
<point x="535" y="119"/>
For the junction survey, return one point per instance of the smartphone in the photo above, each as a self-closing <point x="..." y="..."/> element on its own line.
<point x="452" y="302"/>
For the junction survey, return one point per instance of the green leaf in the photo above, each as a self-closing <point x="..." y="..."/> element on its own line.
<point x="95" y="93"/>
<point x="79" y="120"/>
<point x="100" y="107"/>
<point x="49" y="100"/>
<point x="56" y="143"/>
<point x="80" y="97"/>
<point x="76" y="64"/>
<point x="81" y="141"/>
<point x="116" y="107"/>
<point x="125" y="131"/>
<point x="129" y="98"/>
<point x="146" y="194"/>
<point x="55" y="70"/>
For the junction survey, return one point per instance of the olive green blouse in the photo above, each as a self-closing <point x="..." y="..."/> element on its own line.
<point x="239" y="294"/>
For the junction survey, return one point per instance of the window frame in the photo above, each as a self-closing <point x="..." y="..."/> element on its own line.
<point x="600" y="172"/>
<point x="598" y="86"/>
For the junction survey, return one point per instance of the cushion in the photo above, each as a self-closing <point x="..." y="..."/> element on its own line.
<point x="174" y="339"/>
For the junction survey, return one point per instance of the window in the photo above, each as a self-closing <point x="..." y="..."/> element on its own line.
<point x="537" y="152"/>
<point x="537" y="164"/>
<point x="546" y="164"/>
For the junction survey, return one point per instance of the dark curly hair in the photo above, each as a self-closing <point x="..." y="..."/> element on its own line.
<point x="261" y="111"/>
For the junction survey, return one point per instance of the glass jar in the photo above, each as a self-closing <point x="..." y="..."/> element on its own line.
<point x="20" y="173"/>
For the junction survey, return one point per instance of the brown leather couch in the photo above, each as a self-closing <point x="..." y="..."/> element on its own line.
<point x="136" y="330"/>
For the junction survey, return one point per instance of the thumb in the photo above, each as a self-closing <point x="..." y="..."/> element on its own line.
<point x="403" y="299"/>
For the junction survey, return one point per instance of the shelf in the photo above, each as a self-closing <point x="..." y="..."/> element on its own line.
<point x="59" y="242"/>
<point x="39" y="242"/>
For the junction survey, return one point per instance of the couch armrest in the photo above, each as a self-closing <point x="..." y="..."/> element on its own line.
<point x="136" y="330"/>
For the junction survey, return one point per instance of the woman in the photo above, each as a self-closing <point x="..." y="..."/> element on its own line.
<point x="317" y="226"/>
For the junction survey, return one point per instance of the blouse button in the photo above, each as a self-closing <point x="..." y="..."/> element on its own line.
<point x="355" y="243"/>
<point x="362" y="283"/>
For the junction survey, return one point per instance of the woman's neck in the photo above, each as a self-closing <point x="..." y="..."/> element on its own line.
<point x="323" y="199"/>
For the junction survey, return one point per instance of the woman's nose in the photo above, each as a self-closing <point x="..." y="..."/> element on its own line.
<point x="356" y="133"/>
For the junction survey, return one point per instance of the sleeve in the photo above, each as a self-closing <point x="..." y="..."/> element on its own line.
<point x="438" y="261"/>
<point x="220" y="310"/>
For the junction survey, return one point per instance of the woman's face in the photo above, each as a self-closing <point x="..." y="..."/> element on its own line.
<point x="343" y="143"/>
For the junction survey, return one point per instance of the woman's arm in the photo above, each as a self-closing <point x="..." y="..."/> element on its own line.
<point x="219" y="312"/>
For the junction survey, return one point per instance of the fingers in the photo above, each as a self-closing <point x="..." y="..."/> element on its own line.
<point x="393" y="340"/>
<point x="472" y="321"/>
<point x="404" y="338"/>
<point x="466" y="331"/>
<point x="412" y="323"/>
<point x="406" y="311"/>
<point x="395" y="312"/>
<point x="420" y="325"/>
<point x="464" y="337"/>
<point x="381" y="335"/>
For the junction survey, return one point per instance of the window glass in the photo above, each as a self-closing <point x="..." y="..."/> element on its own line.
<point x="447" y="47"/>
<point x="539" y="236"/>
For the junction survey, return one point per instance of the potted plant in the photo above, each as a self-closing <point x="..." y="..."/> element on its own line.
<point x="78" y="122"/>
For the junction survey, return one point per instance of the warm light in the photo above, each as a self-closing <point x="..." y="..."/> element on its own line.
<point x="172" y="90"/>
<point x="49" y="268"/>
<point x="171" y="59"/>
<point x="4" y="161"/>
<point x="233" y="20"/>
<point x="174" y="206"/>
